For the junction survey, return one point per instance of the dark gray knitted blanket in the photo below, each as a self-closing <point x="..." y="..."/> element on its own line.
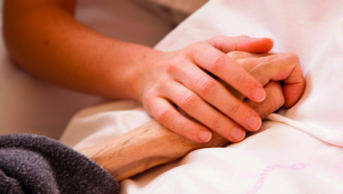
<point x="35" y="164"/>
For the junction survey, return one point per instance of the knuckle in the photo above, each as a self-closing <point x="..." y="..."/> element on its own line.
<point x="234" y="108"/>
<point x="189" y="130"/>
<point x="277" y="98"/>
<point x="217" y="65"/>
<point x="195" y="47"/>
<point x="292" y="57"/>
<point x="205" y="86"/>
<point x="148" y="97"/>
<point x="188" y="101"/>
<point x="158" y="88"/>
<point x="215" y="123"/>
<point x="240" y="81"/>
<point x="174" y="65"/>
<point x="184" y="128"/>
<point x="162" y="115"/>
<point x="235" y="54"/>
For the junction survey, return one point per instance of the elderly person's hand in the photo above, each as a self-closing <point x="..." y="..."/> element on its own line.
<point x="152" y="144"/>
<point x="282" y="67"/>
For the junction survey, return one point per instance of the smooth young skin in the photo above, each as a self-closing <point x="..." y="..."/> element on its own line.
<point x="43" y="37"/>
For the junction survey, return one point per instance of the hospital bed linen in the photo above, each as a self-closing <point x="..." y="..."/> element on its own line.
<point x="299" y="150"/>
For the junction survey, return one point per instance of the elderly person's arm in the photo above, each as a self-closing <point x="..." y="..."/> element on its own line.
<point x="152" y="144"/>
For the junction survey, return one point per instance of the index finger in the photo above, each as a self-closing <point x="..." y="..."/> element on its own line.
<point x="228" y="70"/>
<point x="242" y="43"/>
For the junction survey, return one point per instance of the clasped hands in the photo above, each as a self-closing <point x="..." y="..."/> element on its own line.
<point x="193" y="79"/>
<point x="217" y="85"/>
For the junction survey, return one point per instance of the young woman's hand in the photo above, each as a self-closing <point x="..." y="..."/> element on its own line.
<point x="183" y="79"/>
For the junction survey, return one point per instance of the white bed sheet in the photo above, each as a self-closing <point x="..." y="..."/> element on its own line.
<point x="298" y="151"/>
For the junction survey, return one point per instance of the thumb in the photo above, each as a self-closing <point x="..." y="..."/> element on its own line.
<point x="241" y="43"/>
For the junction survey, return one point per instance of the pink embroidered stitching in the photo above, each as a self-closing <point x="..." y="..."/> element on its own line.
<point x="266" y="171"/>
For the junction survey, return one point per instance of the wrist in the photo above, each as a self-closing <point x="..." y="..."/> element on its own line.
<point x="138" y="76"/>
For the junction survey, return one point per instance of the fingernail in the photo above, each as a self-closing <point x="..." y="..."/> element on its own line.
<point x="254" y="123"/>
<point x="238" y="134"/>
<point x="205" y="136"/>
<point x="259" y="94"/>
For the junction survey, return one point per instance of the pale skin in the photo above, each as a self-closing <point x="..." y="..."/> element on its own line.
<point x="152" y="144"/>
<point x="43" y="37"/>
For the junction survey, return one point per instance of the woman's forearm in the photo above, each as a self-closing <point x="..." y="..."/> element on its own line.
<point x="46" y="40"/>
